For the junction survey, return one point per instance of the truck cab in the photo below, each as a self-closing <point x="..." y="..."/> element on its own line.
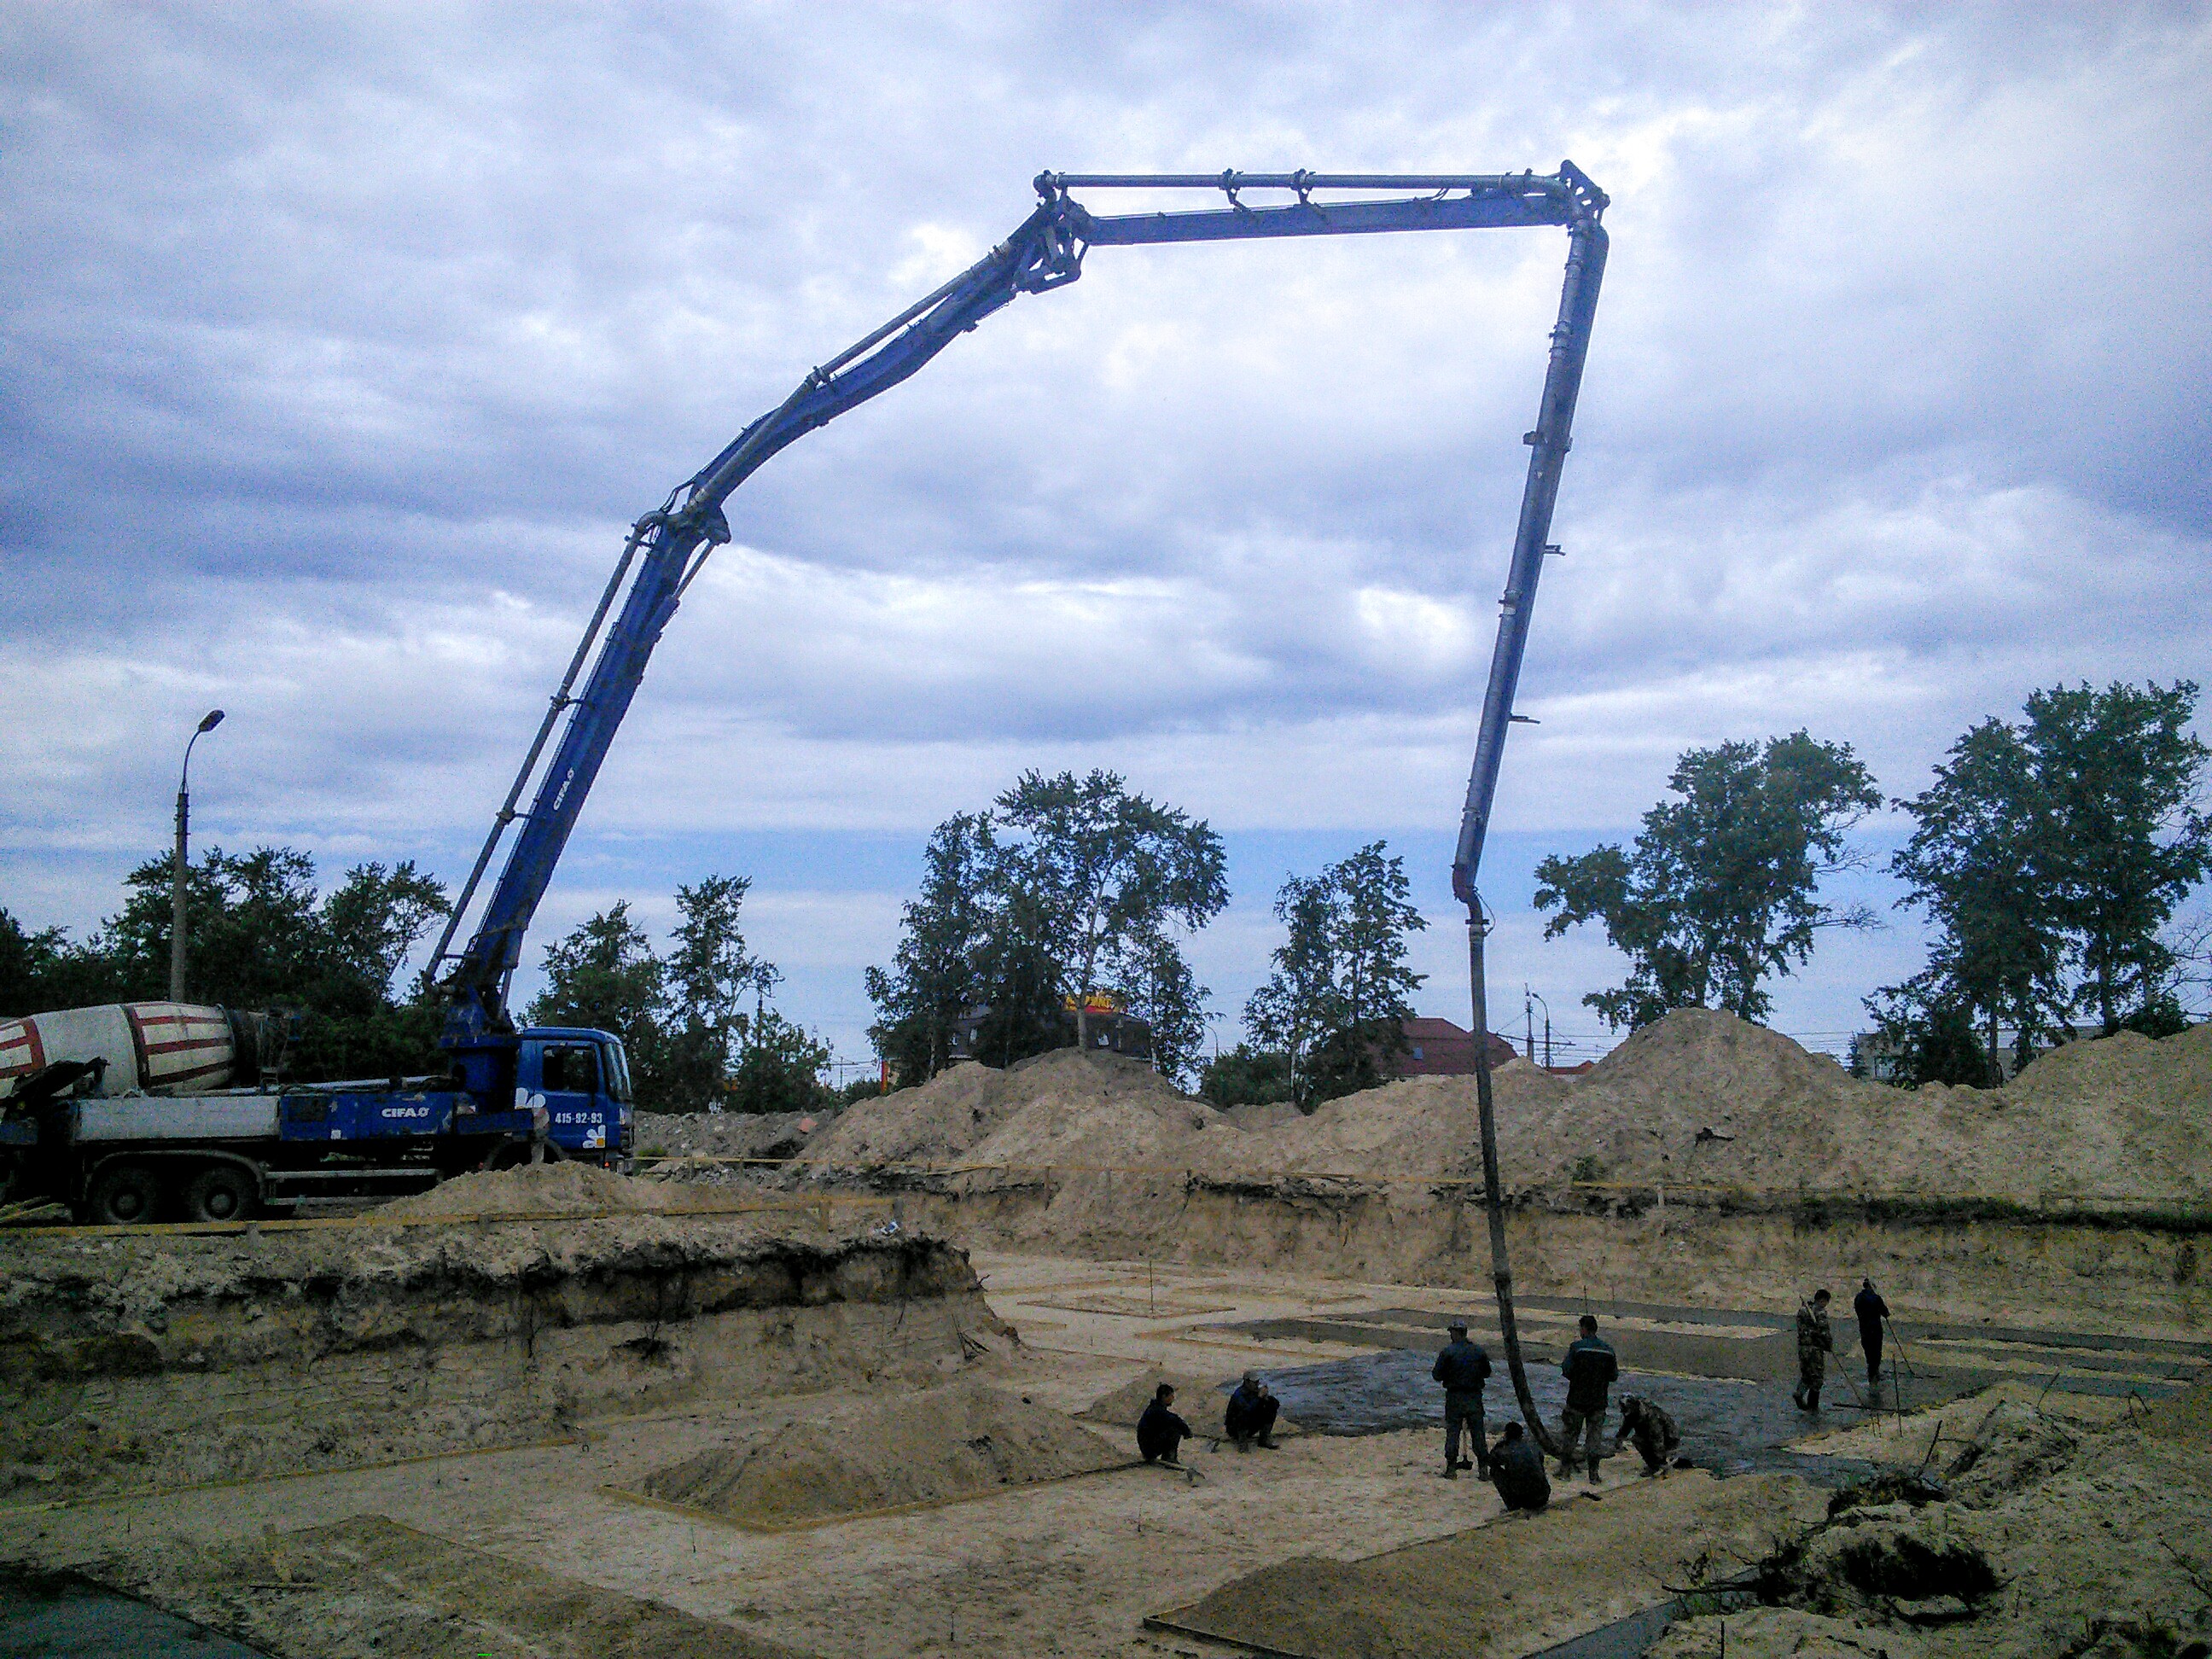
<point x="580" y="1078"/>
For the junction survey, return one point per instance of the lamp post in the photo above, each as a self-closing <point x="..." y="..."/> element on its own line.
<point x="1529" y="998"/>
<point x="213" y="719"/>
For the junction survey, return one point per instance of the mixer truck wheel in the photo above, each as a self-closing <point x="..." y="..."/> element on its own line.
<point x="220" y="1193"/>
<point x="125" y="1195"/>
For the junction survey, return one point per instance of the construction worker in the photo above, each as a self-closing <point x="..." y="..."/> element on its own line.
<point x="1872" y="1310"/>
<point x="1590" y="1369"/>
<point x="1656" y="1437"/>
<point x="1517" y="1467"/>
<point x="1815" y="1342"/>
<point x="1160" y="1432"/>
<point x="1462" y="1368"/>
<point x="1249" y="1416"/>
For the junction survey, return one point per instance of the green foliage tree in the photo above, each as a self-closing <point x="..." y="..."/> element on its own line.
<point x="2121" y="777"/>
<point x="1246" y="1076"/>
<point x="1068" y="887"/>
<point x="709" y="975"/>
<point x="2050" y="857"/>
<point x="1972" y="864"/>
<point x="934" y="976"/>
<point x="1721" y="889"/>
<point x="693" y="1046"/>
<point x="1336" y="1004"/>
<point x="1112" y="871"/>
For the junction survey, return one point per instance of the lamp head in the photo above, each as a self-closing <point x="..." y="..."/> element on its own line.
<point x="213" y="719"/>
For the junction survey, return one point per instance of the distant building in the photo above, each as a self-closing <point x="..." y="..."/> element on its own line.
<point x="1437" y="1048"/>
<point x="1113" y="1029"/>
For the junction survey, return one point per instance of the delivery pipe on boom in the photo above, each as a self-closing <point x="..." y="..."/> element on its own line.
<point x="1563" y="378"/>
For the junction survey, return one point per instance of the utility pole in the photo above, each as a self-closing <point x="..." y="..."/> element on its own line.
<point x="1527" y="995"/>
<point x="213" y="719"/>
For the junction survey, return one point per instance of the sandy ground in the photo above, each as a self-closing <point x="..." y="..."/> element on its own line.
<point x="1068" y="1567"/>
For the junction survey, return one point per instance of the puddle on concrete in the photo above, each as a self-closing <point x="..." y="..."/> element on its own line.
<point x="1729" y="1428"/>
<point x="82" y="1621"/>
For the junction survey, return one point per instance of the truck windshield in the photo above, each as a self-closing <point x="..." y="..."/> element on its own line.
<point x="618" y="1071"/>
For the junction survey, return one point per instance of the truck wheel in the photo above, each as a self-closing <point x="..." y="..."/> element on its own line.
<point x="220" y="1193"/>
<point x="124" y="1196"/>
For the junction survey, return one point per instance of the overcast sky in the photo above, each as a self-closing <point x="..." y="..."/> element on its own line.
<point x="340" y="345"/>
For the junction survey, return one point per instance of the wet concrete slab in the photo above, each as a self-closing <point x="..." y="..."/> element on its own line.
<point x="1730" y="1427"/>
<point x="1924" y="1365"/>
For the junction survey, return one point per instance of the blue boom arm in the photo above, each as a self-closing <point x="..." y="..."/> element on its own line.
<point x="665" y="549"/>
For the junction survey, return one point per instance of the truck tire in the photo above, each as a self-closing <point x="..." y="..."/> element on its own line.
<point x="221" y="1192"/>
<point x="125" y="1195"/>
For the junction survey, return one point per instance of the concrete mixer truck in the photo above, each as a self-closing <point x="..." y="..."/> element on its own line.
<point x="148" y="1111"/>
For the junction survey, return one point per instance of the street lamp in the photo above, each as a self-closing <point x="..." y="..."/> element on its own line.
<point x="214" y="718"/>
<point x="1527" y="998"/>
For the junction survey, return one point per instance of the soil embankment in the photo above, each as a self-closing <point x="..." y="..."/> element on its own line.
<point x="131" y="1361"/>
<point x="1705" y="1159"/>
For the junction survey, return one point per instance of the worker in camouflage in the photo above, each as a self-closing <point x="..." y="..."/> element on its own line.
<point x="1656" y="1437"/>
<point x="1815" y="1342"/>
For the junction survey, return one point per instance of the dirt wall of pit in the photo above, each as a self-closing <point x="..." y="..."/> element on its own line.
<point x="163" y="1359"/>
<point x="2089" y="1272"/>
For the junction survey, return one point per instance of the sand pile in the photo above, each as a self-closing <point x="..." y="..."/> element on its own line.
<point x="1698" y="1099"/>
<point x="963" y="1440"/>
<point x="561" y="1188"/>
<point x="1199" y="1403"/>
<point x="950" y="1118"/>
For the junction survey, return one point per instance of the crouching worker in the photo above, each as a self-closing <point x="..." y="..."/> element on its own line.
<point x="1656" y="1437"/>
<point x="1249" y="1416"/>
<point x="1160" y="1432"/>
<point x="1517" y="1466"/>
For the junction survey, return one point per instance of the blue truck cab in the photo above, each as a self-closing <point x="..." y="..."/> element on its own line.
<point x="581" y="1080"/>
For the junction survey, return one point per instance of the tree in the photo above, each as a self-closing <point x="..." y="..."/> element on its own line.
<point x="935" y="976"/>
<point x="1974" y="864"/>
<point x="780" y="1069"/>
<point x="1246" y="1076"/>
<point x="1112" y="870"/>
<point x="1721" y="889"/>
<point x="2051" y="856"/>
<point x="708" y="978"/>
<point x="1068" y="888"/>
<point x="2121" y="778"/>
<point x="1337" y="1003"/>
<point x="1931" y="1039"/>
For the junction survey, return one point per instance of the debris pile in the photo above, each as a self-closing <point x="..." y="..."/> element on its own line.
<point x="2052" y="1538"/>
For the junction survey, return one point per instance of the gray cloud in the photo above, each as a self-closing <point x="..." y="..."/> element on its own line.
<point x="337" y="352"/>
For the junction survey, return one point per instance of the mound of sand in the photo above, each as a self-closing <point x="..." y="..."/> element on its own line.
<point x="1698" y="1099"/>
<point x="1199" y="1403"/>
<point x="949" y="1119"/>
<point x="534" y="1189"/>
<point x="963" y="1440"/>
